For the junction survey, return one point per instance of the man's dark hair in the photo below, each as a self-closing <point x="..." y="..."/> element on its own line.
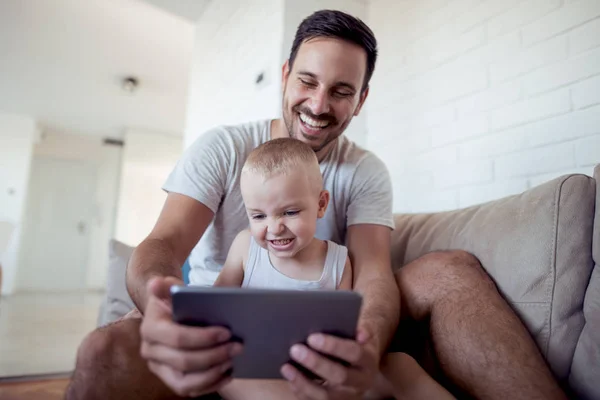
<point x="337" y="24"/>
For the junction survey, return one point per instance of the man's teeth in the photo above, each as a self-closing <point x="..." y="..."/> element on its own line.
<point x="281" y="242"/>
<point x="313" y="122"/>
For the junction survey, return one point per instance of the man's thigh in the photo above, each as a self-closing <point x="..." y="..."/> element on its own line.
<point x="109" y="365"/>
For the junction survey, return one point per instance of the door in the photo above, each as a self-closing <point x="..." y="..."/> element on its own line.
<point x="54" y="251"/>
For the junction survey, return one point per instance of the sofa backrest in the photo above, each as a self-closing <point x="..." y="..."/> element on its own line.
<point x="536" y="246"/>
<point x="585" y="369"/>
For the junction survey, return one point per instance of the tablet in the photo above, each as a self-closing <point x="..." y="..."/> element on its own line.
<point x="267" y="321"/>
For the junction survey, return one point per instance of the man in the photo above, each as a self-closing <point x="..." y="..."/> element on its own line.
<point x="481" y="344"/>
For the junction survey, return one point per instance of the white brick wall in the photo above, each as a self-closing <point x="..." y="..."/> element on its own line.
<point x="473" y="100"/>
<point x="235" y="41"/>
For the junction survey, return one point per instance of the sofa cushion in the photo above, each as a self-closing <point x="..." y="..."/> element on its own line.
<point x="116" y="301"/>
<point x="585" y="370"/>
<point x="535" y="246"/>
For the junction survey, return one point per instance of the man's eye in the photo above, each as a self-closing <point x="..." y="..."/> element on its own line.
<point x="307" y="83"/>
<point x="341" y="94"/>
<point x="291" y="213"/>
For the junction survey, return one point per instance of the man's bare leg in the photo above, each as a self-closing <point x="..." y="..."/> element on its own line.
<point x="479" y="341"/>
<point x="109" y="366"/>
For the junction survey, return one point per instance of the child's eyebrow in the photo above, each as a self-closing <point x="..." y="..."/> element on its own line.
<point x="291" y="205"/>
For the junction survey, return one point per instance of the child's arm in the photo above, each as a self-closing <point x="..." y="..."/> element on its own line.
<point x="346" y="281"/>
<point x="232" y="273"/>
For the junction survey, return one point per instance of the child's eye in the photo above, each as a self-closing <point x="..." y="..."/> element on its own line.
<point x="291" y="213"/>
<point x="258" y="216"/>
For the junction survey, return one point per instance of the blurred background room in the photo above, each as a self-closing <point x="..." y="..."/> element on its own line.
<point x="471" y="100"/>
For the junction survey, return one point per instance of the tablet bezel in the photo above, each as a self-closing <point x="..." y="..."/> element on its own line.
<point x="268" y="321"/>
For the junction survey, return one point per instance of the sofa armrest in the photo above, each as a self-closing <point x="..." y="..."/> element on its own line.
<point x="536" y="246"/>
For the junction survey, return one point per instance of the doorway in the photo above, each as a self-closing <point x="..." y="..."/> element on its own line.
<point x="56" y="234"/>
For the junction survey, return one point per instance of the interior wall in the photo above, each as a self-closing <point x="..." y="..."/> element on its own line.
<point x="147" y="160"/>
<point x="107" y="161"/>
<point x="474" y="100"/>
<point x="17" y="136"/>
<point x="235" y="42"/>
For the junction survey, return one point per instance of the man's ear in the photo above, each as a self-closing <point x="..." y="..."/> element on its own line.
<point x="361" y="102"/>
<point x="285" y="73"/>
<point x="323" y="203"/>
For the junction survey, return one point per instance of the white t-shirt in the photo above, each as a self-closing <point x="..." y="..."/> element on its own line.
<point x="209" y="171"/>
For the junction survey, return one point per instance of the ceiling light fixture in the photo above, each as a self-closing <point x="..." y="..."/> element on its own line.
<point x="129" y="84"/>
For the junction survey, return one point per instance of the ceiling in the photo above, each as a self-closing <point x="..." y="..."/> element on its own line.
<point x="188" y="9"/>
<point x="62" y="62"/>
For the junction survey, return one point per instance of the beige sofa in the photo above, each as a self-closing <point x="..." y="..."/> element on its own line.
<point x="542" y="248"/>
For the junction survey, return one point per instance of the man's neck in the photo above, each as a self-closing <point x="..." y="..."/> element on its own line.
<point x="278" y="129"/>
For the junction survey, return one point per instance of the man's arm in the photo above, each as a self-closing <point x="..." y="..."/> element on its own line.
<point x="180" y="225"/>
<point x="346" y="281"/>
<point x="232" y="273"/>
<point x="369" y="250"/>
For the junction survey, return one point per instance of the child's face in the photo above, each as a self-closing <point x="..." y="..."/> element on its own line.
<point x="283" y="211"/>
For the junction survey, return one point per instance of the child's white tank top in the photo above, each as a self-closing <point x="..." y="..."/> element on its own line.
<point x="260" y="273"/>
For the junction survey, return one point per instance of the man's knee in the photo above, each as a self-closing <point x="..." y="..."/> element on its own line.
<point x="465" y="268"/>
<point x="439" y="275"/>
<point x="103" y="353"/>
<point x="104" y="344"/>
<point x="454" y="267"/>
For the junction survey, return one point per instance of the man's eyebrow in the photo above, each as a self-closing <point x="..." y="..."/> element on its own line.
<point x="338" y="84"/>
<point x="309" y="74"/>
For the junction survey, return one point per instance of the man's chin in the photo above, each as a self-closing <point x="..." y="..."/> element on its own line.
<point x="316" y="145"/>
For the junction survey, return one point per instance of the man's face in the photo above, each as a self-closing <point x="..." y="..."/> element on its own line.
<point x="322" y="91"/>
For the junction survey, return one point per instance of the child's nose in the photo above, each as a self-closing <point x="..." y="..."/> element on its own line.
<point x="275" y="227"/>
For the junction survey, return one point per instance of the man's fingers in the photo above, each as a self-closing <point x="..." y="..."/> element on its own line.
<point x="179" y="336"/>
<point x="161" y="286"/>
<point x="363" y="335"/>
<point x="190" y="360"/>
<point x="333" y="372"/>
<point x="193" y="383"/>
<point x="301" y="386"/>
<point x="343" y="349"/>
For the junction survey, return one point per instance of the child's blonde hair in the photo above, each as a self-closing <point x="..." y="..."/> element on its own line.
<point x="281" y="157"/>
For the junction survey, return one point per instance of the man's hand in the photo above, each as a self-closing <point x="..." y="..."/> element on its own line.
<point x="191" y="361"/>
<point x="341" y="382"/>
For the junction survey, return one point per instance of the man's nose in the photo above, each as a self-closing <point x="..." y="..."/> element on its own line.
<point x="319" y="102"/>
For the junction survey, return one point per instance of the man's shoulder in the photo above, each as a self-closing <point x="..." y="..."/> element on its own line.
<point x="251" y="133"/>
<point x="353" y="155"/>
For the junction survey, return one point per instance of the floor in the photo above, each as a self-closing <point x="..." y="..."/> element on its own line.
<point x="53" y="389"/>
<point x="40" y="333"/>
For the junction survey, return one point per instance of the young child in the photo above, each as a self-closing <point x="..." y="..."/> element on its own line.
<point x="282" y="189"/>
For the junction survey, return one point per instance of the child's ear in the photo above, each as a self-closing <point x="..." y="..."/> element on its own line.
<point x="323" y="202"/>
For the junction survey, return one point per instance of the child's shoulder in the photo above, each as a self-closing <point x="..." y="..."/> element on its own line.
<point x="243" y="239"/>
<point x="331" y="244"/>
